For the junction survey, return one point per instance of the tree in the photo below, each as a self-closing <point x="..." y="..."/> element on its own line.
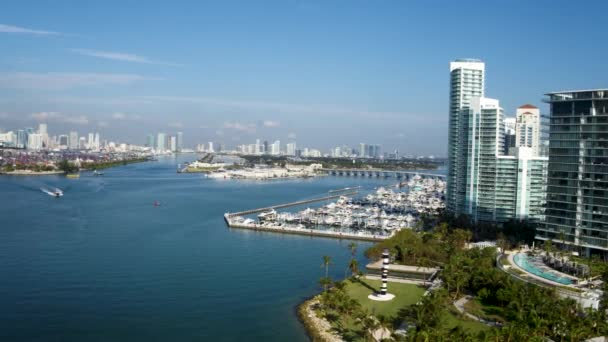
<point x="67" y="167"/>
<point x="353" y="266"/>
<point x="326" y="263"/>
<point x="325" y="282"/>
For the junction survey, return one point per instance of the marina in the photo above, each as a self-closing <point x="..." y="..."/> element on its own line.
<point x="376" y="216"/>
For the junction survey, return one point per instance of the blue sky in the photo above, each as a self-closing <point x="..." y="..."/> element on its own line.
<point x="327" y="72"/>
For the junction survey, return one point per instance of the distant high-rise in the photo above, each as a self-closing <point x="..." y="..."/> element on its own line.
<point x="180" y="141"/>
<point x="91" y="141"/>
<point x="34" y="141"/>
<point x="466" y="82"/>
<point x="509" y="136"/>
<point x="173" y="143"/>
<point x="291" y="149"/>
<point x="96" y="144"/>
<point x="577" y="194"/>
<point x="150" y="141"/>
<point x="363" y="150"/>
<point x="276" y="148"/>
<point x="527" y="133"/>
<point x="211" y="150"/>
<point x="43" y="131"/>
<point x="161" y="142"/>
<point x="73" y="140"/>
<point x="21" y="139"/>
<point x="63" y="141"/>
<point x="266" y="150"/>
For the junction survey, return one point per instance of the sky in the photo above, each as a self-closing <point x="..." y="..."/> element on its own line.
<point x="325" y="73"/>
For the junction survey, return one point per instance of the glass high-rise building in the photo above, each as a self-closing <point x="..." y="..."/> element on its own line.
<point x="577" y="189"/>
<point x="466" y="82"/>
<point x="484" y="182"/>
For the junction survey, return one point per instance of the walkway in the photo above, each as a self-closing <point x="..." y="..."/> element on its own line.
<point x="459" y="305"/>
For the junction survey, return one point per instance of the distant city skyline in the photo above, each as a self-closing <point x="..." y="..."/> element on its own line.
<point x="326" y="73"/>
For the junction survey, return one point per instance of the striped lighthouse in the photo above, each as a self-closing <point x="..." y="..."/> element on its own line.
<point x="385" y="260"/>
<point x="383" y="295"/>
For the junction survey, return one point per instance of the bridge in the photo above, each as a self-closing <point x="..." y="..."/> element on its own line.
<point x="381" y="173"/>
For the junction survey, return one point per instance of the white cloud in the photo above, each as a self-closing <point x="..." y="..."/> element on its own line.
<point x="58" y="117"/>
<point x="271" y="123"/>
<point x="59" y="80"/>
<point x="23" y="30"/>
<point x="176" y="125"/>
<point x="240" y="126"/>
<point x="102" y="124"/>
<point x="119" y="116"/>
<point x="119" y="56"/>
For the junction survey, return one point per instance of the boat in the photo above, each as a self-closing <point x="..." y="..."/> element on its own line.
<point x="54" y="193"/>
<point x="73" y="175"/>
<point x="97" y="173"/>
<point x="156" y="203"/>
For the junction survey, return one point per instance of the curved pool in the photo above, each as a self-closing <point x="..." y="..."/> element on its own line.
<point x="523" y="261"/>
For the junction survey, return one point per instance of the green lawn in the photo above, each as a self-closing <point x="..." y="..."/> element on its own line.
<point x="452" y="320"/>
<point x="405" y="295"/>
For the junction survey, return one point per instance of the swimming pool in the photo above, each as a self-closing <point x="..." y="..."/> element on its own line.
<point x="523" y="261"/>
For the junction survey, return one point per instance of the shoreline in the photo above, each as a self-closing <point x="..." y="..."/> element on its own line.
<point x="31" y="173"/>
<point x="59" y="172"/>
<point x="317" y="329"/>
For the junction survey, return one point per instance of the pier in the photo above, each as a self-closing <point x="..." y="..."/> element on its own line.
<point x="305" y="231"/>
<point x="228" y="217"/>
<point x="382" y="173"/>
<point x="292" y="204"/>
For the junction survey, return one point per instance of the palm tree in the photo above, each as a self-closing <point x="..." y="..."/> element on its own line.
<point x="353" y="249"/>
<point x="326" y="262"/>
<point x="325" y="282"/>
<point x="353" y="266"/>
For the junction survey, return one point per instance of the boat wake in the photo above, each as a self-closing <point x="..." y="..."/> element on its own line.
<point x="54" y="193"/>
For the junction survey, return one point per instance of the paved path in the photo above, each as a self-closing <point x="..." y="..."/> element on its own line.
<point x="459" y="305"/>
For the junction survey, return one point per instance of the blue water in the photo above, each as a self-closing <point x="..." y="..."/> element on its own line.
<point x="522" y="261"/>
<point x="103" y="264"/>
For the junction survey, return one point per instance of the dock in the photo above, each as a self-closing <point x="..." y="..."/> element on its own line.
<point x="302" y="231"/>
<point x="306" y="231"/>
<point x="292" y="204"/>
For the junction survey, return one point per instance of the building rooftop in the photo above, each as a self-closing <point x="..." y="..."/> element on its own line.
<point x="528" y="106"/>
<point x="576" y="91"/>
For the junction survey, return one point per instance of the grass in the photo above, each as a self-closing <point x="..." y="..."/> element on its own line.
<point x="453" y="319"/>
<point x="405" y="295"/>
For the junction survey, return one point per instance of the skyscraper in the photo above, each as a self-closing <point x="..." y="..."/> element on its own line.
<point x="173" y="143"/>
<point x="73" y="140"/>
<point x="276" y="148"/>
<point x="466" y="82"/>
<point x="43" y="131"/>
<point x="180" y="141"/>
<point x="527" y="133"/>
<point x="91" y="141"/>
<point x="577" y="191"/>
<point x="21" y="139"/>
<point x="484" y="182"/>
<point x="150" y="141"/>
<point x="291" y="149"/>
<point x="509" y="136"/>
<point x="161" y="144"/>
<point x="363" y="150"/>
